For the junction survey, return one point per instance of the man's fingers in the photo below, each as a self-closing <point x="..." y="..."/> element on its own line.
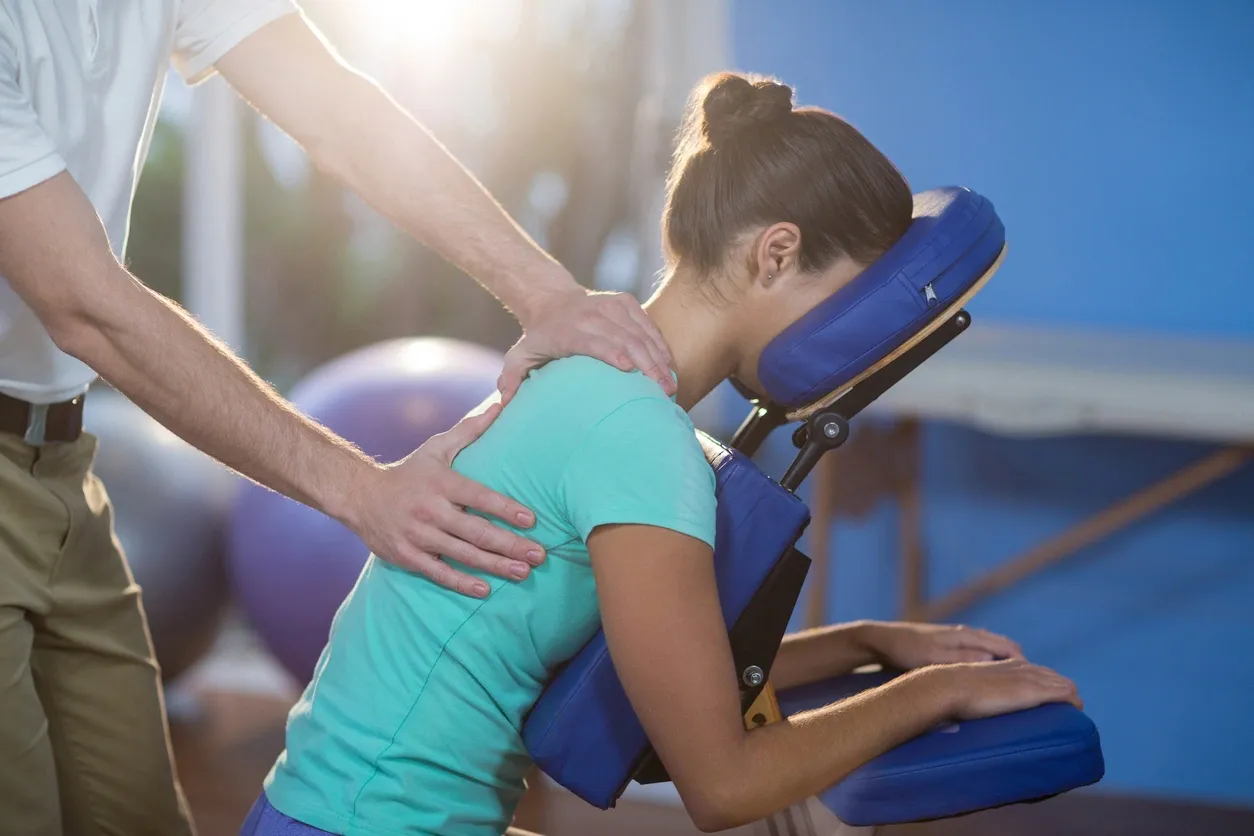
<point x="623" y="348"/>
<point x="467" y="493"/>
<point x="607" y="348"/>
<point x="659" y="363"/>
<point x="519" y="361"/>
<point x="467" y="554"/>
<point x="445" y="575"/>
<point x="448" y="444"/>
<point x="642" y="359"/>
<point x="642" y="319"/>
<point x="490" y="538"/>
<point x="509" y="381"/>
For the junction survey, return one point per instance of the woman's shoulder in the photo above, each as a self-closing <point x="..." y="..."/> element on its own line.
<point x="588" y="390"/>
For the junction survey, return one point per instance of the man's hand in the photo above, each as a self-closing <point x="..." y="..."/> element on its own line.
<point x="416" y="510"/>
<point x="611" y="327"/>
<point x="906" y="645"/>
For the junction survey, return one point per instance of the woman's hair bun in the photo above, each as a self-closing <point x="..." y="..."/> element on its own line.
<point x="736" y="103"/>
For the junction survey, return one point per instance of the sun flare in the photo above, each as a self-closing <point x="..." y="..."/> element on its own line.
<point x="418" y="24"/>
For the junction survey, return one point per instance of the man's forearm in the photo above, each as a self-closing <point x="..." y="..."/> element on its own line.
<point x="353" y="130"/>
<point x="400" y="169"/>
<point x="159" y="357"/>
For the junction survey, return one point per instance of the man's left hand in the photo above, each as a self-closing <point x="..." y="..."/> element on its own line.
<point x="611" y="327"/>
<point x="906" y="645"/>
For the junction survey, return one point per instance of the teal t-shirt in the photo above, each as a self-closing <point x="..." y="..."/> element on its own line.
<point x="412" y="723"/>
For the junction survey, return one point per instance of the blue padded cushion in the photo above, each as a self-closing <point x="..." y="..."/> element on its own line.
<point x="962" y="767"/>
<point x="583" y="732"/>
<point x="954" y="239"/>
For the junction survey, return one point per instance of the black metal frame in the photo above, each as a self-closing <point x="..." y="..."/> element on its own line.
<point x="757" y="634"/>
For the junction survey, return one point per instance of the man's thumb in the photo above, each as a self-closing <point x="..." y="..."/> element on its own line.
<point x="466" y="432"/>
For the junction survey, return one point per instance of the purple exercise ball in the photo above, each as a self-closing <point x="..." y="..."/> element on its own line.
<point x="291" y="566"/>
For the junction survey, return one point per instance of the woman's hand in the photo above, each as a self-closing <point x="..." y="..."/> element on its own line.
<point x="983" y="689"/>
<point x="907" y="645"/>
<point x="611" y="327"/>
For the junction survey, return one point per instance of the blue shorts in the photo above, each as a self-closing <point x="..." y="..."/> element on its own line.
<point x="264" y="820"/>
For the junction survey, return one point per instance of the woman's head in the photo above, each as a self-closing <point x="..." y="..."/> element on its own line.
<point x="771" y="208"/>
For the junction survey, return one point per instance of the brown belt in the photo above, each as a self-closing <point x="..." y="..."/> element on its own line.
<point x="41" y="423"/>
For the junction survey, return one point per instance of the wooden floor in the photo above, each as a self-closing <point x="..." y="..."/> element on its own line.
<point x="226" y="742"/>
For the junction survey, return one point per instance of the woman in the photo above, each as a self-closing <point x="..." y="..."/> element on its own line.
<point x="411" y="724"/>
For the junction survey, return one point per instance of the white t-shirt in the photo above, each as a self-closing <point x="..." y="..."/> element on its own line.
<point x="80" y="85"/>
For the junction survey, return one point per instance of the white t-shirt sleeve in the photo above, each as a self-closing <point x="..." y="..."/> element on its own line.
<point x="28" y="156"/>
<point x="206" y="30"/>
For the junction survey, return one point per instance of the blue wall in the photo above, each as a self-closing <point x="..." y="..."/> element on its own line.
<point x="1117" y="141"/>
<point x="1114" y="137"/>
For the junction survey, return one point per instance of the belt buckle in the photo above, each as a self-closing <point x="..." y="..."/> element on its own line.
<point x="36" y="425"/>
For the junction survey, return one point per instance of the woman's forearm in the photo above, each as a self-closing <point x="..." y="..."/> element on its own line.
<point x="783" y="763"/>
<point x="823" y="652"/>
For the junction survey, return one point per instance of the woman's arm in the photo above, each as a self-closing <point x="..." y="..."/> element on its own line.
<point x="660" y="611"/>
<point x="822" y="653"/>
<point x="838" y="649"/>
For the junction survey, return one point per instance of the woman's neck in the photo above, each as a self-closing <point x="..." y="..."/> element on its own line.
<point x="702" y="352"/>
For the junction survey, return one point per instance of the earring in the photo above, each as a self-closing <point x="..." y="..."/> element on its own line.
<point x="770" y="276"/>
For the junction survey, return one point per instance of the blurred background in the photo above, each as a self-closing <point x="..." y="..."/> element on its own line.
<point x="563" y="108"/>
<point x="1108" y="379"/>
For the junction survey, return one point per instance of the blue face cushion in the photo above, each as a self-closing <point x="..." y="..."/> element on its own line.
<point x="954" y="241"/>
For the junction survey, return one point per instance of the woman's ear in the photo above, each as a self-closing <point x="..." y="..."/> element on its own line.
<point x="776" y="253"/>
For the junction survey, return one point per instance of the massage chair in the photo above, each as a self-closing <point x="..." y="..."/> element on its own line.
<point x="820" y="373"/>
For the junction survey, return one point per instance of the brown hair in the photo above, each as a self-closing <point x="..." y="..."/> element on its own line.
<point x="746" y="157"/>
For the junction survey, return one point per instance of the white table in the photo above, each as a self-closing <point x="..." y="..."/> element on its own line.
<point x="1047" y="382"/>
<point x="1034" y="381"/>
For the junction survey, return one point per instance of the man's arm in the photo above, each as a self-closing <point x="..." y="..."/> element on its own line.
<point x="665" y="632"/>
<point x="56" y="256"/>
<point x="355" y="132"/>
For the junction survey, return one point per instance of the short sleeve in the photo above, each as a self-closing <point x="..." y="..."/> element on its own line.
<point x="28" y="156"/>
<point x="206" y="30"/>
<point x="642" y="465"/>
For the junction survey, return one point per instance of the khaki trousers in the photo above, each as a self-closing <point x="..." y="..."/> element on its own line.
<point x="84" y="746"/>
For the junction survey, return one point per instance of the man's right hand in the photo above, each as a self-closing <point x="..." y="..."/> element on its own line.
<point x="984" y="689"/>
<point x="418" y="509"/>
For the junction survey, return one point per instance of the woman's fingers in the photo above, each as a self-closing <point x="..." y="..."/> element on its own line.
<point x="974" y="638"/>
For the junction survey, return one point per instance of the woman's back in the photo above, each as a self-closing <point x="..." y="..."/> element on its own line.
<point x="412" y="723"/>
